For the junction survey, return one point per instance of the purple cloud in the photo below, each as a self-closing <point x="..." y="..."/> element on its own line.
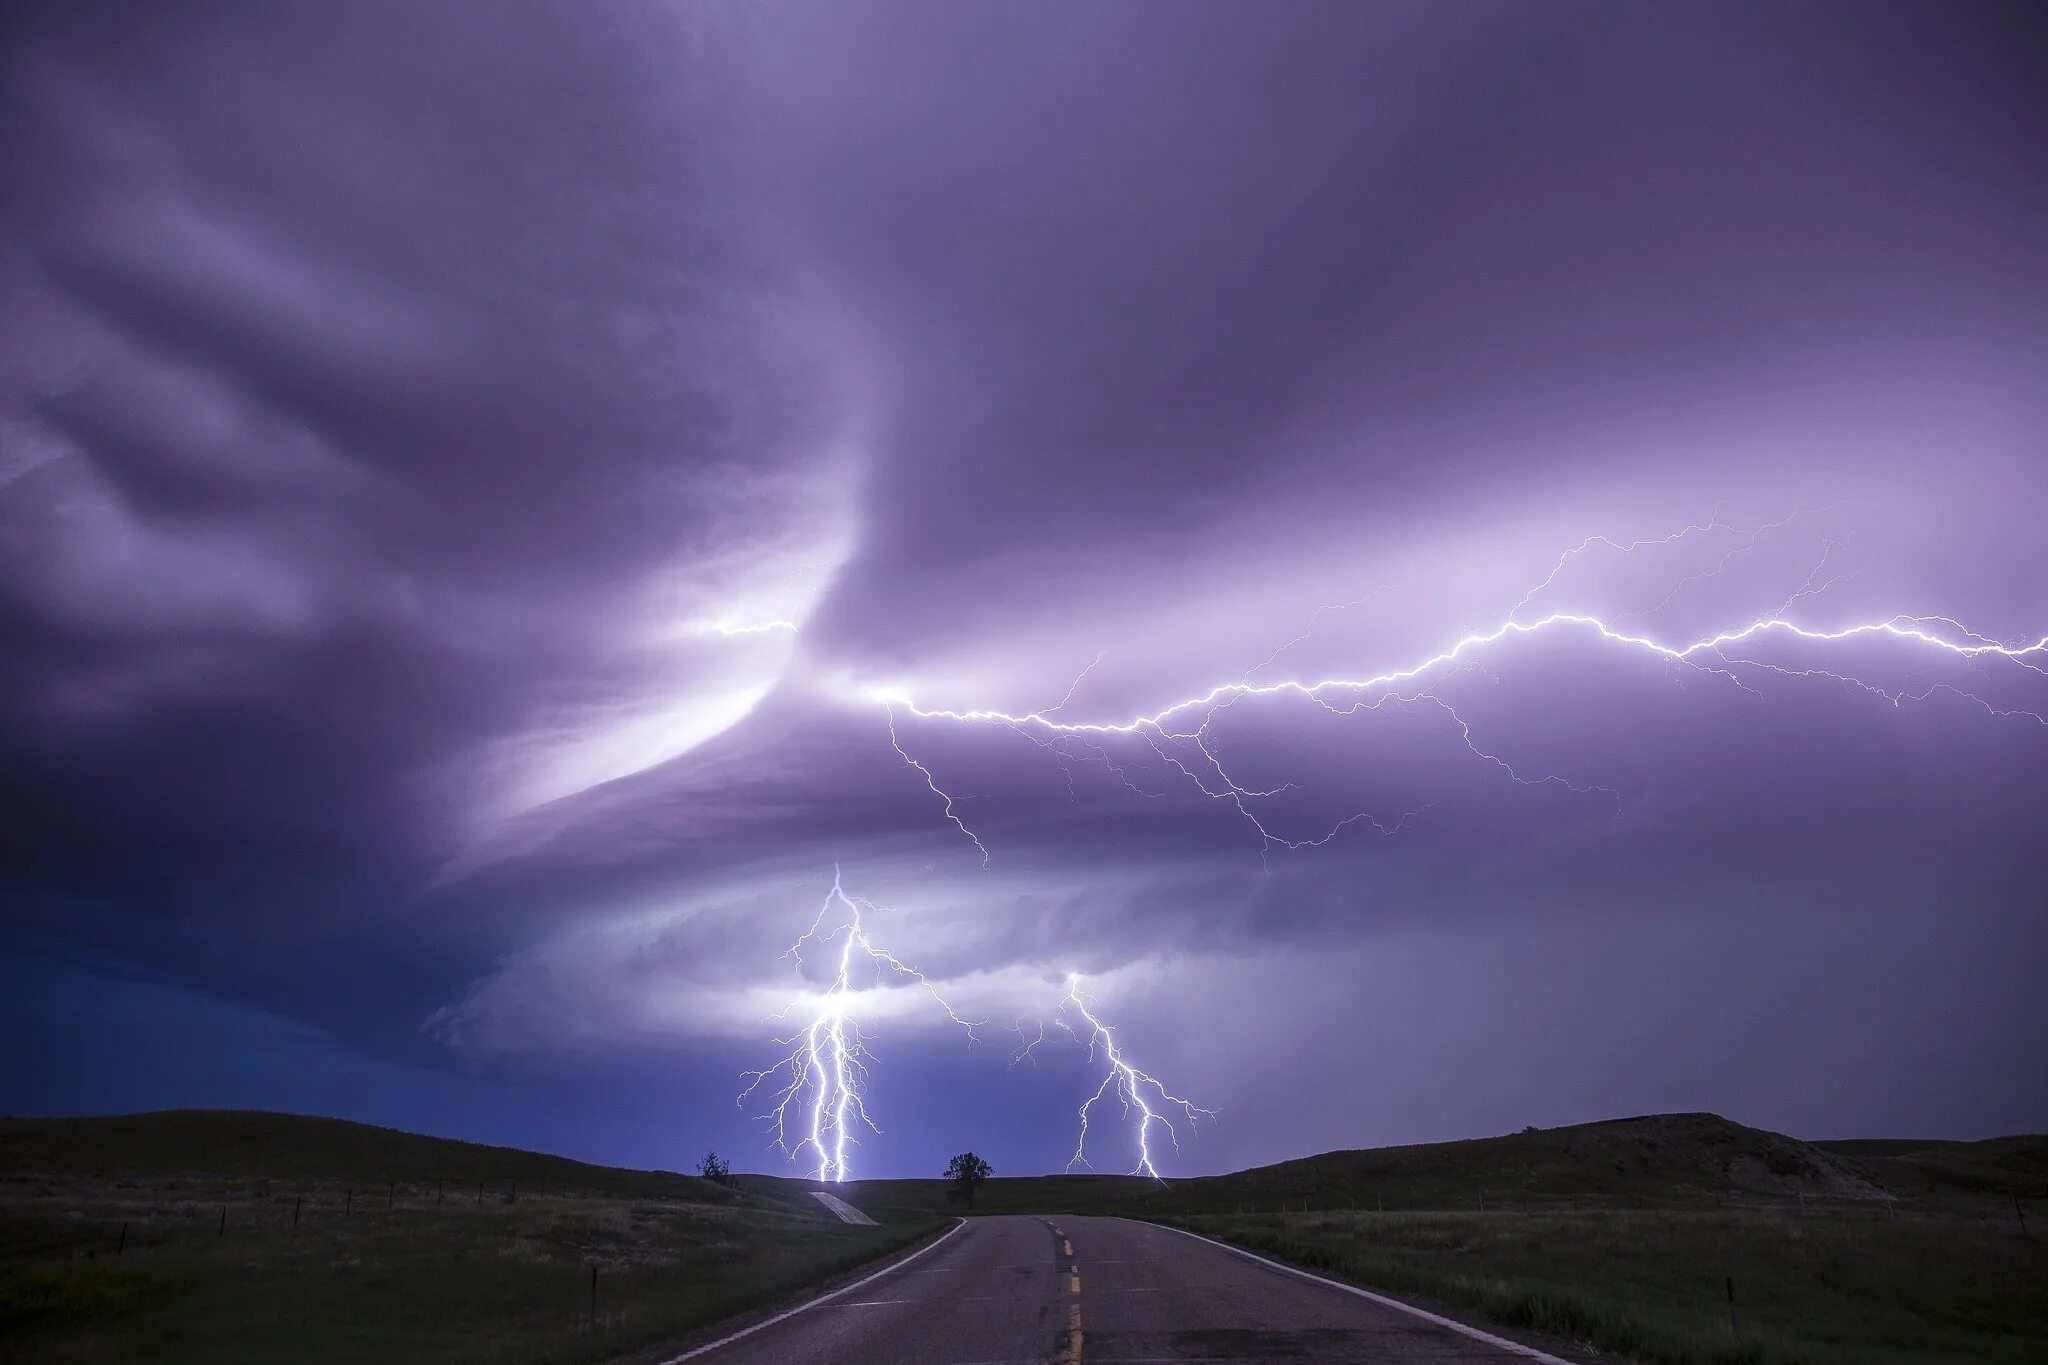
<point x="498" y="503"/>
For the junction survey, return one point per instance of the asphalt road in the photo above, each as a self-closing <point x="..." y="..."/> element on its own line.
<point x="843" y="1211"/>
<point x="1012" y="1290"/>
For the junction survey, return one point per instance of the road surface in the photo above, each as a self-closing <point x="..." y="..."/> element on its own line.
<point x="1056" y="1291"/>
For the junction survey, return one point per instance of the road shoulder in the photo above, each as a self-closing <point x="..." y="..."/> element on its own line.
<point x="1541" y="1347"/>
<point x="712" y="1333"/>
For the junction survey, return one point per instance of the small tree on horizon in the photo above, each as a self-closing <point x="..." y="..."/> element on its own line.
<point x="714" y="1167"/>
<point x="967" y="1171"/>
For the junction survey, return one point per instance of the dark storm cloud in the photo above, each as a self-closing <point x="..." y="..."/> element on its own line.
<point x="366" y="372"/>
<point x="1394" y="258"/>
<point x="467" y="477"/>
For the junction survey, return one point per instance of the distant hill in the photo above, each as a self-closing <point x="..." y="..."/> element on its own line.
<point x="248" y="1142"/>
<point x="2006" y="1165"/>
<point x="1657" y="1158"/>
<point x="1654" y="1156"/>
<point x="1653" y="1159"/>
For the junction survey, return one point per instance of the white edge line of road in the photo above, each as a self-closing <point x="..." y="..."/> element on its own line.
<point x="1489" y="1338"/>
<point x="788" y="1313"/>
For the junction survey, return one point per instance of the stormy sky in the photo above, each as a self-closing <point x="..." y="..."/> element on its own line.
<point x="498" y="500"/>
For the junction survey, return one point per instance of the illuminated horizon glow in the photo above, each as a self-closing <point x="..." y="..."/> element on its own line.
<point x="1188" y="751"/>
<point x="1126" y="1081"/>
<point x="825" y="1074"/>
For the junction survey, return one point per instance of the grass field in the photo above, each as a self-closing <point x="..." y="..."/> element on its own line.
<point x="1623" y="1235"/>
<point x="1839" y="1287"/>
<point x="265" y="1238"/>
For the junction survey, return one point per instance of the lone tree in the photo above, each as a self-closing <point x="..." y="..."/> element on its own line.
<point x="714" y="1167"/>
<point x="966" y="1171"/>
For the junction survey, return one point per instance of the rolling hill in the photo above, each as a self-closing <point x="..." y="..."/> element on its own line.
<point x="1682" y="1159"/>
<point x="257" y="1143"/>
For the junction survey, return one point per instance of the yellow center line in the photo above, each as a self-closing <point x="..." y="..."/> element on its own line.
<point x="1067" y="1249"/>
<point x="1072" y="1355"/>
<point x="1074" y="1283"/>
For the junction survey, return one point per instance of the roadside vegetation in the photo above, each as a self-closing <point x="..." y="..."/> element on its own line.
<point x="245" y="1237"/>
<point x="262" y="1237"/>
<point x="1829" y="1287"/>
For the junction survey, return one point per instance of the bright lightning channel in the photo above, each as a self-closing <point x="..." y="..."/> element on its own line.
<point x="731" y="629"/>
<point x="1136" y="1090"/>
<point x="1179" y="732"/>
<point x="819" y="1089"/>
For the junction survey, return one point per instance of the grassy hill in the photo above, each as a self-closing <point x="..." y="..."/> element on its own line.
<point x="2009" y="1166"/>
<point x="230" y="1236"/>
<point x="245" y="1142"/>
<point x="226" y="1236"/>
<point x="1663" y="1157"/>
<point x="1659" y="1160"/>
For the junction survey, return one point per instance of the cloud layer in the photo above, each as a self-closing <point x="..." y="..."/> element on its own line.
<point x="486" y="495"/>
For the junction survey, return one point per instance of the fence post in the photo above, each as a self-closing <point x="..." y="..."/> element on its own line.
<point x="122" y="1245"/>
<point x="223" y="1221"/>
<point x="295" y="1209"/>
<point x="1734" y="1327"/>
<point x="2017" y="1210"/>
<point x="349" y="1204"/>
<point x="479" y="1192"/>
<point x="438" y="1192"/>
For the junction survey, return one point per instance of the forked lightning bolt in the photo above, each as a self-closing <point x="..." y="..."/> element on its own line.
<point x="1134" y="1089"/>
<point x="819" y="1088"/>
<point x="1179" y="733"/>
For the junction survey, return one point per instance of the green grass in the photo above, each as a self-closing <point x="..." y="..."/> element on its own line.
<point x="1617" y="1234"/>
<point x="1837" y="1288"/>
<point x="398" y="1272"/>
<point x="2014" y="1167"/>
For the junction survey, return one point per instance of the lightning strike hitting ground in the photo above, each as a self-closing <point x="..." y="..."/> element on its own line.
<point x="1130" y="1086"/>
<point x="1179" y="733"/>
<point x="819" y="1088"/>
